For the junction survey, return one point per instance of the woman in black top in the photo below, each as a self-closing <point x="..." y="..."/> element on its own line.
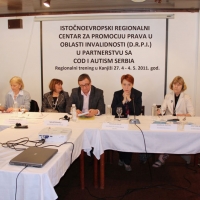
<point x="55" y="100"/>
<point x="130" y="100"/>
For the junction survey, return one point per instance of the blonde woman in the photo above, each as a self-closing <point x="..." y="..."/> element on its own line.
<point x="176" y="103"/>
<point x="17" y="94"/>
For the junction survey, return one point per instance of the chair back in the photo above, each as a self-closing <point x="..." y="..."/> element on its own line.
<point x="142" y="110"/>
<point x="34" y="106"/>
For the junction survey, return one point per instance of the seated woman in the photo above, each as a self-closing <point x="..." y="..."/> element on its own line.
<point x="16" y="95"/>
<point x="55" y="100"/>
<point x="176" y="103"/>
<point x="124" y="98"/>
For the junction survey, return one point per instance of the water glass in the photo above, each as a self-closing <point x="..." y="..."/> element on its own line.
<point x="180" y="126"/>
<point x="22" y="108"/>
<point x="119" y="112"/>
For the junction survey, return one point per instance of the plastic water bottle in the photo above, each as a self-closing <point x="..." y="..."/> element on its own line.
<point x="154" y="110"/>
<point x="73" y="112"/>
<point x="15" y="108"/>
<point x="108" y="110"/>
<point x="108" y="113"/>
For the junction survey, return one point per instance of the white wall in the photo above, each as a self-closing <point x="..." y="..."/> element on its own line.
<point x="108" y="80"/>
<point x="20" y="55"/>
<point x="197" y="80"/>
<point x="183" y="48"/>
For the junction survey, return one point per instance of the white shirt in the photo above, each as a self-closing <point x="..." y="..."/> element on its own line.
<point x="85" y="101"/>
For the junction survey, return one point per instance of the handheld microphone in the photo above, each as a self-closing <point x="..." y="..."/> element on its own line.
<point x="134" y="121"/>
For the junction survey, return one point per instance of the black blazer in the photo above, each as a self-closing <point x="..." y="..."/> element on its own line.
<point x="118" y="98"/>
<point x="47" y="102"/>
<point x="96" y="100"/>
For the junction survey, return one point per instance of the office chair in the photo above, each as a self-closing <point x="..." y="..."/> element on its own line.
<point x="34" y="106"/>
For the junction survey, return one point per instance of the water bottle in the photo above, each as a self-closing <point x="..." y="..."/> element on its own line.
<point x="15" y="108"/>
<point x="154" y="110"/>
<point x="108" y="113"/>
<point x="108" y="110"/>
<point x="73" y="110"/>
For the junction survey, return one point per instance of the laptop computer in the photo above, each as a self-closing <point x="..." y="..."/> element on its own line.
<point x="34" y="157"/>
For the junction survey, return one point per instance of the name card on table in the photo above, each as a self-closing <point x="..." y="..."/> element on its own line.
<point x="55" y="122"/>
<point x="169" y="127"/>
<point x="14" y="121"/>
<point x="36" y="115"/>
<point x="114" y="126"/>
<point x="192" y="127"/>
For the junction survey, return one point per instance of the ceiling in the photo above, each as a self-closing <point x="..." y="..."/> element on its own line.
<point x="36" y="7"/>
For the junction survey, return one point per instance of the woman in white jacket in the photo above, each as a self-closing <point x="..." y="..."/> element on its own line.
<point x="176" y="103"/>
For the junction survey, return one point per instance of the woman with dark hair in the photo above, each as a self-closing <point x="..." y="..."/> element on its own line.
<point x="55" y="100"/>
<point x="176" y="103"/>
<point x="124" y="98"/>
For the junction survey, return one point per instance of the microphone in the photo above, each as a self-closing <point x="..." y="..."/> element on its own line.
<point x="66" y="118"/>
<point x="134" y="121"/>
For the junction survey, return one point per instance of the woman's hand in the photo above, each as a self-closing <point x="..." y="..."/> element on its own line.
<point x="127" y="97"/>
<point x="1" y="108"/>
<point x="9" y="110"/>
<point x="187" y="115"/>
<point x="158" y="112"/>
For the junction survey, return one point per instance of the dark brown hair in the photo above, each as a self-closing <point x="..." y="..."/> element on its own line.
<point x="53" y="82"/>
<point x="84" y="76"/>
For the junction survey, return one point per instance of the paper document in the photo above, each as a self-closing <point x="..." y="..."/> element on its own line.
<point x="82" y="114"/>
<point x="114" y="126"/>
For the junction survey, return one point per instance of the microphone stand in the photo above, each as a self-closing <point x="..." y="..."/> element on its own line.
<point x="134" y="121"/>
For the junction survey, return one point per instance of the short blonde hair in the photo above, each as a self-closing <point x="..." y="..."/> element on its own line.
<point x="180" y="80"/>
<point x="18" y="80"/>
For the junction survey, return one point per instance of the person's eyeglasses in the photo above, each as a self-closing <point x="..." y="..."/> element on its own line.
<point x="86" y="85"/>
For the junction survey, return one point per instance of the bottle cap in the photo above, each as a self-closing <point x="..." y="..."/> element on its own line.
<point x="73" y="104"/>
<point x="154" y="104"/>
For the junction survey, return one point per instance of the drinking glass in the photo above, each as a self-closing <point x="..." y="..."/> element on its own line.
<point x="119" y="112"/>
<point x="162" y="111"/>
<point x="22" y="108"/>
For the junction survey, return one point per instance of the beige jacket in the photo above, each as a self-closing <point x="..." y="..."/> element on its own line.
<point x="184" y="104"/>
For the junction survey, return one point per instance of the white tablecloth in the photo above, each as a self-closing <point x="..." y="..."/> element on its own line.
<point x="35" y="183"/>
<point x="131" y="140"/>
<point x="38" y="183"/>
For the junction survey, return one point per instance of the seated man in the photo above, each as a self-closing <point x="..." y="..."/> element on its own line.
<point x="87" y="97"/>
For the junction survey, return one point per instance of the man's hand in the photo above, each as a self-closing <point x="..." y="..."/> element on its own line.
<point x="78" y="111"/>
<point x="92" y="112"/>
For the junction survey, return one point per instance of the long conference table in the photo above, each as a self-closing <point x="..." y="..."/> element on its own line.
<point x="38" y="183"/>
<point x="131" y="140"/>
